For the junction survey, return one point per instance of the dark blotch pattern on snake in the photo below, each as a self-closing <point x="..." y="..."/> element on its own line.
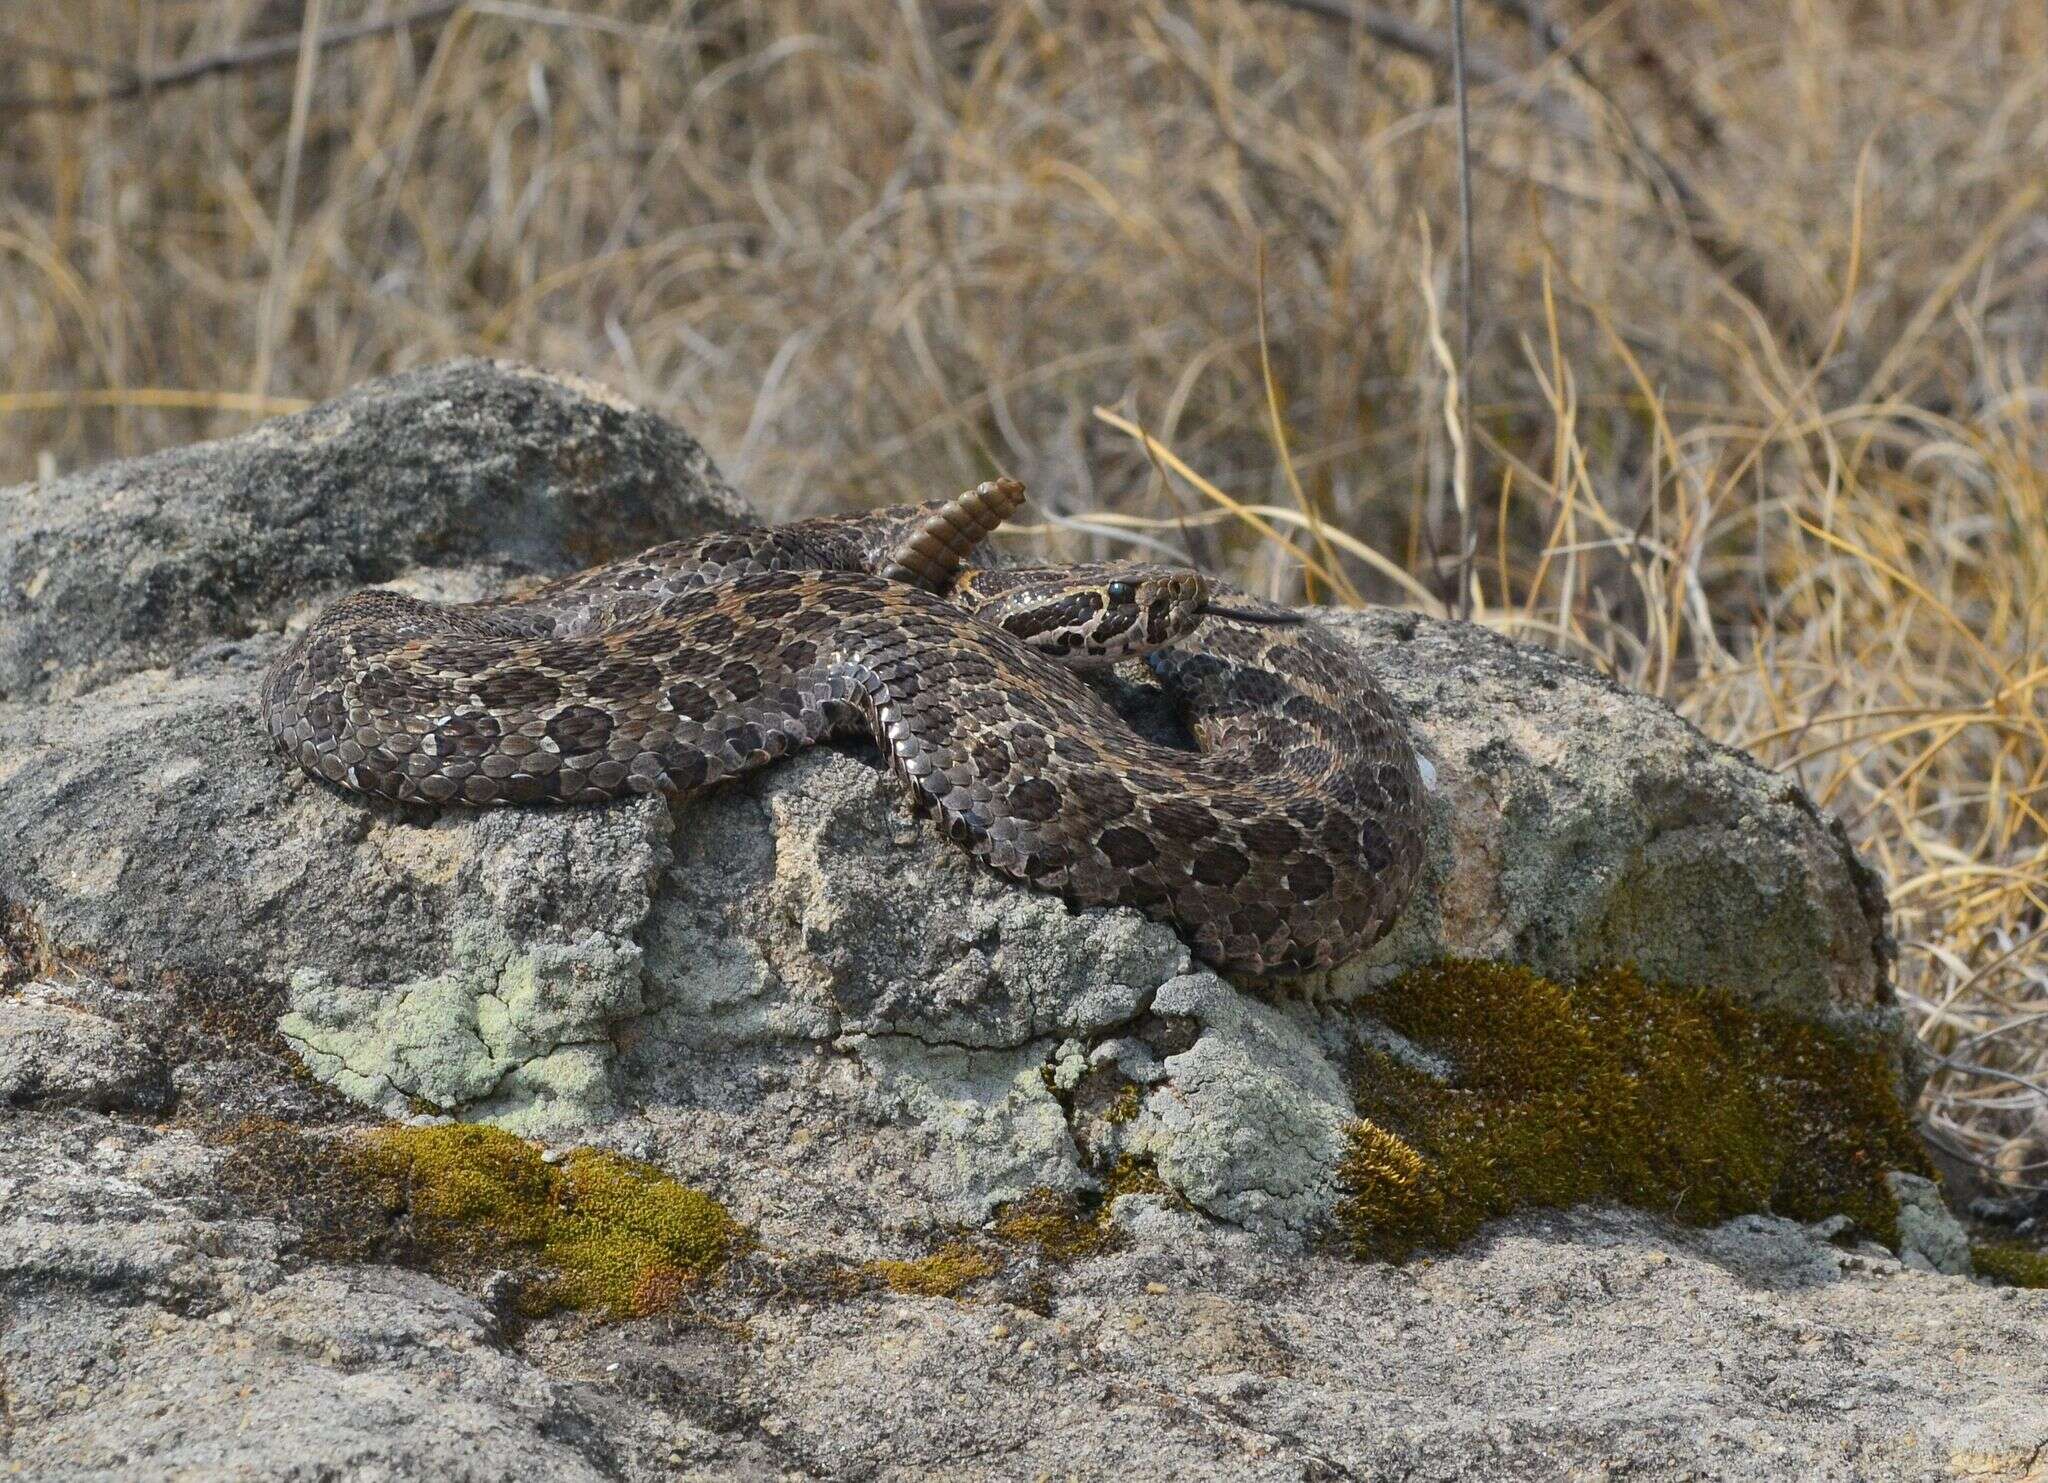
<point x="1288" y="841"/>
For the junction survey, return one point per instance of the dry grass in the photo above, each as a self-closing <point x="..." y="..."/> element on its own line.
<point x="872" y="251"/>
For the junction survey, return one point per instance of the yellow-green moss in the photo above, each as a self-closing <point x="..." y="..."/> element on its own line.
<point x="617" y="1236"/>
<point x="1060" y="1225"/>
<point x="1610" y="1089"/>
<point x="1065" y="1228"/>
<point x="1056" y="1223"/>
<point x="1136" y="1174"/>
<point x="2012" y="1262"/>
<point x="1125" y="1108"/>
<point x="943" y="1274"/>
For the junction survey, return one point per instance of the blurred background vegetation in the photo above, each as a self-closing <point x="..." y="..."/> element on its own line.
<point x="1758" y="376"/>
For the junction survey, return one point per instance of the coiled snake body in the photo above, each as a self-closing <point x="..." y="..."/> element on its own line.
<point x="1288" y="841"/>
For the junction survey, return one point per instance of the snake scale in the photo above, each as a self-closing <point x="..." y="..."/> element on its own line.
<point x="1286" y="841"/>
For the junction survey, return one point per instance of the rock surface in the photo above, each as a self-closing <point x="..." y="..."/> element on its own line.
<point x="140" y="562"/>
<point x="1579" y="823"/>
<point x="55" y="1054"/>
<point x="791" y="994"/>
<point x="151" y="1333"/>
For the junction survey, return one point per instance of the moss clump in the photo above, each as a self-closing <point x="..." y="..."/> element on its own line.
<point x="1057" y="1223"/>
<point x="2012" y="1262"/>
<point x="345" y="1206"/>
<point x="615" y="1235"/>
<point x="1125" y="1108"/>
<point x="1610" y="1089"/>
<point x="1062" y="1226"/>
<point x="943" y="1274"/>
<point x="1136" y="1174"/>
<point x="1066" y="1228"/>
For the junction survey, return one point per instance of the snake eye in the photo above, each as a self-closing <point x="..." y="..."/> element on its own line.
<point x="1123" y="591"/>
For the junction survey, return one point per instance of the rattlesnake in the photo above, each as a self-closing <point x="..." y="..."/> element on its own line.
<point x="1287" y="841"/>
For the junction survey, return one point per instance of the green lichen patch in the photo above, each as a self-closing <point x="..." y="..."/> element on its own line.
<point x="601" y="1232"/>
<point x="2012" y="1262"/>
<point x="1610" y="1090"/>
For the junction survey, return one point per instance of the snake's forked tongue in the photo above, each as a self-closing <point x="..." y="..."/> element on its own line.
<point x="1249" y="615"/>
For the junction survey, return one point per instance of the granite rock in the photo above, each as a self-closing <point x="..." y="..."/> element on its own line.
<point x="793" y="994"/>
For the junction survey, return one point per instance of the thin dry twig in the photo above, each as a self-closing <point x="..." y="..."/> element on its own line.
<point x="1701" y="223"/>
<point x="1405" y="36"/>
<point x="1467" y="535"/>
<point x="1698" y="220"/>
<point x="287" y="200"/>
<point x="269" y="52"/>
<point x="1457" y="427"/>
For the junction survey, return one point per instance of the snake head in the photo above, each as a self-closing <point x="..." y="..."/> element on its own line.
<point x="1088" y="616"/>
<point x="1146" y="609"/>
